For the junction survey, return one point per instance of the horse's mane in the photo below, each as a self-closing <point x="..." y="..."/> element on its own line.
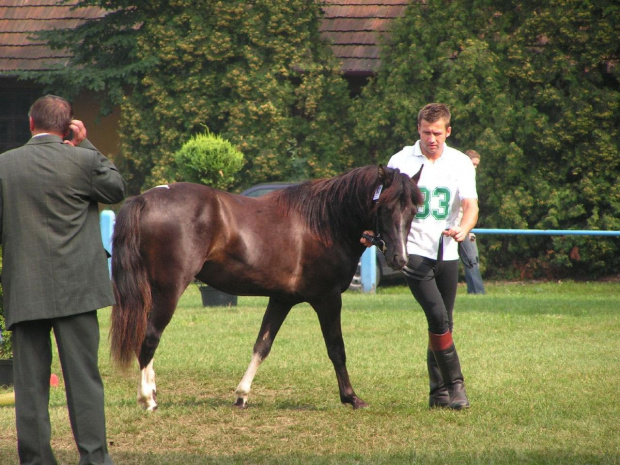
<point x="336" y="208"/>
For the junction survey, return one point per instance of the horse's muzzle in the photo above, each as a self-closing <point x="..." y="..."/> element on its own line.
<point x="396" y="262"/>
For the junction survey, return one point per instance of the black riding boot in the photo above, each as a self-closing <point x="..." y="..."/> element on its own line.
<point x="439" y="396"/>
<point x="450" y="368"/>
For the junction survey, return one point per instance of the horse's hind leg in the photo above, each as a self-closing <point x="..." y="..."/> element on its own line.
<point x="164" y="305"/>
<point x="147" y="391"/>
<point x="272" y="321"/>
<point x="328" y="312"/>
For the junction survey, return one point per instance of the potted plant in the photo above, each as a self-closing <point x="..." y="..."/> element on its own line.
<point x="211" y="160"/>
<point x="6" y="350"/>
<point x="211" y="297"/>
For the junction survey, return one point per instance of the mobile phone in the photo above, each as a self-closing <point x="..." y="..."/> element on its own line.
<point x="69" y="135"/>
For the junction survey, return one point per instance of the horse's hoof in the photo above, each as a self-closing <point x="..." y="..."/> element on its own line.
<point x="241" y="403"/>
<point x="358" y="403"/>
<point x="148" y="405"/>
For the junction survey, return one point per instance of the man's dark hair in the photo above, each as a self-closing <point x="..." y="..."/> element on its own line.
<point x="433" y="112"/>
<point x="51" y="113"/>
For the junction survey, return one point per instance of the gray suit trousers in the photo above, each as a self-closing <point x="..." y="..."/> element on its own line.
<point x="77" y="339"/>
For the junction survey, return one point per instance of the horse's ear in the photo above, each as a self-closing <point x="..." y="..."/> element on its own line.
<point x="416" y="177"/>
<point x="386" y="175"/>
<point x="382" y="173"/>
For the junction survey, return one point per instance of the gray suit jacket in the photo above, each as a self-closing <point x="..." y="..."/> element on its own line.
<point x="54" y="264"/>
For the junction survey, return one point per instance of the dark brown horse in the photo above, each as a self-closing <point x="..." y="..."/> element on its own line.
<point x="299" y="244"/>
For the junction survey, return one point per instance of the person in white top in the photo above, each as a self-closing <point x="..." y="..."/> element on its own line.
<point x="448" y="183"/>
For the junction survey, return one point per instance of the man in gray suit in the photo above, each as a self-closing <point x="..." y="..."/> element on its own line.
<point x="55" y="276"/>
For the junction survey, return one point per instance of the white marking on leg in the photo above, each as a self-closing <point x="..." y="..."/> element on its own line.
<point x="147" y="388"/>
<point x="243" y="389"/>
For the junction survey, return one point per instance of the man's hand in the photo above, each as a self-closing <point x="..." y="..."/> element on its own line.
<point x="79" y="132"/>
<point x="456" y="233"/>
<point x="365" y="241"/>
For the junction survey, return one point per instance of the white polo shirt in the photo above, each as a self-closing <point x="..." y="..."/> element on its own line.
<point x="444" y="183"/>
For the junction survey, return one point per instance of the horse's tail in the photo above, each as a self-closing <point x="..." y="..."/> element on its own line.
<point x="131" y="285"/>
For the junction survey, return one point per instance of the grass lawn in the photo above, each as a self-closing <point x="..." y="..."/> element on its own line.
<point x="541" y="364"/>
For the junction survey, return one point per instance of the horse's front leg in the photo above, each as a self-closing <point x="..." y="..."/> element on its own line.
<point x="328" y="312"/>
<point x="272" y="321"/>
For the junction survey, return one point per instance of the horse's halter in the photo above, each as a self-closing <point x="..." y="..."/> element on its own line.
<point x="376" y="239"/>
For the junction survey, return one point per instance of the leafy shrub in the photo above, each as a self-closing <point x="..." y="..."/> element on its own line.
<point x="6" y="345"/>
<point x="207" y="159"/>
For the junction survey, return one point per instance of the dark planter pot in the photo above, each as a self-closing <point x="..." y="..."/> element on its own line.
<point x="6" y="372"/>
<point x="211" y="297"/>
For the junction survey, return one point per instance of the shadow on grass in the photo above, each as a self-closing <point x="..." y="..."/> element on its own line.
<point x="496" y="457"/>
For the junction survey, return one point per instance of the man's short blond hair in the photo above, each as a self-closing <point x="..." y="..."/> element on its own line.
<point x="434" y="112"/>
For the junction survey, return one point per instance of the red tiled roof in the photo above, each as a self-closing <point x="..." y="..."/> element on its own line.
<point x="19" y="18"/>
<point x="353" y="27"/>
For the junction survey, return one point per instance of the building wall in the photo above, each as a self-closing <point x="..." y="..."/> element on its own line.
<point x="102" y="131"/>
<point x="17" y="96"/>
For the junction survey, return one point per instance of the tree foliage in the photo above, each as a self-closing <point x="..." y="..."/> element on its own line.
<point x="535" y="90"/>
<point x="103" y="54"/>
<point x="254" y="72"/>
<point x="534" y="87"/>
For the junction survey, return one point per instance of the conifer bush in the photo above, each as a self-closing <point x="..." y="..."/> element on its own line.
<point x="207" y="159"/>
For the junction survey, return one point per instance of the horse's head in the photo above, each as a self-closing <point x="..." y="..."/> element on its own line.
<point x="395" y="208"/>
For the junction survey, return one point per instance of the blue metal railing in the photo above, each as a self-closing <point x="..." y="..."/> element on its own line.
<point x="547" y="232"/>
<point x="368" y="261"/>
<point x="107" y="218"/>
<point x="368" y="267"/>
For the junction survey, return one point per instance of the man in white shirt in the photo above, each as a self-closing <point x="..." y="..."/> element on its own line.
<point x="448" y="183"/>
